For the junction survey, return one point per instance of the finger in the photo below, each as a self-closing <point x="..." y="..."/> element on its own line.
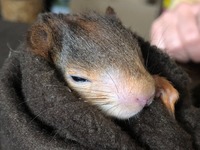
<point x="196" y="8"/>
<point x="195" y="51"/>
<point x="189" y="32"/>
<point x="172" y="40"/>
<point x="157" y="34"/>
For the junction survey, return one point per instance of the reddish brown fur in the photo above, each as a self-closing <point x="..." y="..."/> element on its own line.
<point x="88" y="25"/>
<point x="168" y="94"/>
<point x="40" y="39"/>
<point x="110" y="11"/>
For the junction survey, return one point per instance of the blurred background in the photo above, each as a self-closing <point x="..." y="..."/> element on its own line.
<point x="17" y="16"/>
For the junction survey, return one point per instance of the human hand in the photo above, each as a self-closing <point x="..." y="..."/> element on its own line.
<point x="177" y="32"/>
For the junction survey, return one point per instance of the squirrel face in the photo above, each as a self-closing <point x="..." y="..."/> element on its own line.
<point x="99" y="59"/>
<point x="114" y="91"/>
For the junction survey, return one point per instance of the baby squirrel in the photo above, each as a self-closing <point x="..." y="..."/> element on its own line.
<point x="100" y="60"/>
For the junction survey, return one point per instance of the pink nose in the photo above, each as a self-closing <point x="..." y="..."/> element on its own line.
<point x="145" y="101"/>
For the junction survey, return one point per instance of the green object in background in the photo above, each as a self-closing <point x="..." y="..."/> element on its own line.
<point x="167" y="4"/>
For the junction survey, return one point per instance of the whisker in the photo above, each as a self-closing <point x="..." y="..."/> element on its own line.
<point x="100" y="101"/>
<point x="36" y="116"/>
<point x="50" y="85"/>
<point x="53" y="137"/>
<point x="113" y="82"/>
<point x="96" y="98"/>
<point x="115" y="86"/>
<point x="147" y="59"/>
<point x="95" y="91"/>
<point x="103" y="103"/>
<point x="114" y="107"/>
<point x="166" y="26"/>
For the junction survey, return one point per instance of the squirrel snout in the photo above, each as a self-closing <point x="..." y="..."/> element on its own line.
<point x="141" y="97"/>
<point x="139" y="92"/>
<point x="146" y="91"/>
<point x="145" y="100"/>
<point x="126" y="96"/>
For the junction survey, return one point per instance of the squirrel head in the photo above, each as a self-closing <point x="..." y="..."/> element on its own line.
<point x="99" y="58"/>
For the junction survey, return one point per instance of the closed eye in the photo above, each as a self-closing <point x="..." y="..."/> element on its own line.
<point x="79" y="79"/>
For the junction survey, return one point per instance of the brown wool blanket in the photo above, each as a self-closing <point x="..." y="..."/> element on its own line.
<point x="39" y="112"/>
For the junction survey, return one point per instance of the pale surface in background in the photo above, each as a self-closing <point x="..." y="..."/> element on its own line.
<point x="136" y="14"/>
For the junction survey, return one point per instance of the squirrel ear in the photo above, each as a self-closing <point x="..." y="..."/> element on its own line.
<point x="110" y="11"/>
<point x="40" y="40"/>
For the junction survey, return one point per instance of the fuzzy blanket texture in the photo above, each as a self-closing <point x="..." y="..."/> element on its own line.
<point x="39" y="112"/>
